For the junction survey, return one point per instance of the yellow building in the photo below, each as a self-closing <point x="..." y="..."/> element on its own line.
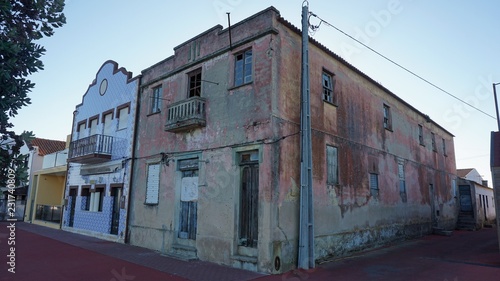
<point x="45" y="196"/>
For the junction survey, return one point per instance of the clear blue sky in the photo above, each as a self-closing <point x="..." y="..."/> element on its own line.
<point x="453" y="44"/>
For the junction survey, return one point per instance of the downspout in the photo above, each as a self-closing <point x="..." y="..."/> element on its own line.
<point x="132" y="163"/>
<point x="229" y="31"/>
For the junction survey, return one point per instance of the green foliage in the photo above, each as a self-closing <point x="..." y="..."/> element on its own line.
<point x="22" y="22"/>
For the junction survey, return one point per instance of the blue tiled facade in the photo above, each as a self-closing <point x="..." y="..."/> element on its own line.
<point x="113" y="92"/>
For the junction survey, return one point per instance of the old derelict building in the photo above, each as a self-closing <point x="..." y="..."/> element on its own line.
<point x="216" y="175"/>
<point x="100" y="156"/>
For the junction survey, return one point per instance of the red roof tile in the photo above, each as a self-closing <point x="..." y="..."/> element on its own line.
<point x="46" y="146"/>
<point x="463" y="172"/>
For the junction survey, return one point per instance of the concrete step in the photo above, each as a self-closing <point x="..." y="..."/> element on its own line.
<point x="183" y="252"/>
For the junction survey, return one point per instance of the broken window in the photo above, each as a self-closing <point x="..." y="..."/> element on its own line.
<point x="332" y="165"/>
<point x="433" y="139"/>
<point x="328" y="88"/>
<point x="387" y="117"/>
<point x="374" y="184"/>
<point x="195" y="83"/>
<point x="153" y="184"/>
<point x="249" y="199"/>
<point x="243" y="68"/>
<point x="444" y="147"/>
<point x="420" y="135"/>
<point x="156" y="100"/>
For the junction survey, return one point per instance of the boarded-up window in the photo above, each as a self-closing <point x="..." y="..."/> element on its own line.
<point x="374" y="184"/>
<point x="249" y="199"/>
<point x="332" y="165"/>
<point x="153" y="184"/>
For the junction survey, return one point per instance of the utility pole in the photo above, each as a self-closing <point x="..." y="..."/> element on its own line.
<point x="306" y="228"/>
<point x="495" y="166"/>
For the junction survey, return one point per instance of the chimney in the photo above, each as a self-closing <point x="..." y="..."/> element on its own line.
<point x="485" y="183"/>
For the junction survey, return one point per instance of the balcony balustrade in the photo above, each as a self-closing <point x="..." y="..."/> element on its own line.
<point x="186" y="115"/>
<point x="91" y="150"/>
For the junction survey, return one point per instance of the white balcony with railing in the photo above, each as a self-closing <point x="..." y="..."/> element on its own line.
<point x="91" y="150"/>
<point x="186" y="115"/>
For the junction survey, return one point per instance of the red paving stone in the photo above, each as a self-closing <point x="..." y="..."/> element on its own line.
<point x="466" y="255"/>
<point x="48" y="254"/>
<point x="48" y="259"/>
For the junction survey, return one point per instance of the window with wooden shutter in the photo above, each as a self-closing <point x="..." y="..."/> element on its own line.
<point x="153" y="184"/>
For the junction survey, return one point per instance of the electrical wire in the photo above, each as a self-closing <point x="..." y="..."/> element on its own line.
<point x="315" y="27"/>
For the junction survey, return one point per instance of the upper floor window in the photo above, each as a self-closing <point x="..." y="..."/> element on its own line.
<point x="107" y="120"/>
<point x="420" y="135"/>
<point x="123" y="115"/>
<point x="156" y="100"/>
<point x="80" y="129"/>
<point x="243" y="68"/>
<point x="93" y="122"/>
<point x="387" y="117"/>
<point x="195" y="83"/>
<point x="328" y="88"/>
<point x="444" y="147"/>
<point x="433" y="139"/>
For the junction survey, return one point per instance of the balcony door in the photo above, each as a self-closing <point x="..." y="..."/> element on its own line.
<point x="108" y="120"/>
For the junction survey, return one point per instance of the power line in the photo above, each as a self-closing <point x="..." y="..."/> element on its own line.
<point x="315" y="27"/>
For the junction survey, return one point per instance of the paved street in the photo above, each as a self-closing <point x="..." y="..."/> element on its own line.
<point x="47" y="254"/>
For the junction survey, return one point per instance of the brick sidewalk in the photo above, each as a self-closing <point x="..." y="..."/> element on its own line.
<point x="60" y="255"/>
<point x="48" y="254"/>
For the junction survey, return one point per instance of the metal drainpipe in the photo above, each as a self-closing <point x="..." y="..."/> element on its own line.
<point x="132" y="163"/>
